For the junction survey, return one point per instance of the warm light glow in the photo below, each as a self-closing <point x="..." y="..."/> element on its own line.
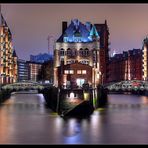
<point x="145" y="62"/>
<point x="71" y="95"/>
<point x="71" y="72"/>
<point x="66" y="71"/>
<point x="80" y="82"/>
<point x="86" y="96"/>
<point x="78" y="71"/>
<point x="83" y="71"/>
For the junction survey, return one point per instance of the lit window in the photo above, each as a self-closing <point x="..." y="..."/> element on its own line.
<point x="83" y="71"/>
<point x="68" y="62"/>
<point x="71" y="72"/>
<point x="66" y="71"/>
<point x="78" y="71"/>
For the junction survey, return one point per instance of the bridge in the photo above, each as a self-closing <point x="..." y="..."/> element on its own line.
<point x="128" y="86"/>
<point x="23" y="86"/>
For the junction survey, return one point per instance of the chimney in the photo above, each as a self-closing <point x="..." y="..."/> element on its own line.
<point x="105" y="22"/>
<point x="64" y="26"/>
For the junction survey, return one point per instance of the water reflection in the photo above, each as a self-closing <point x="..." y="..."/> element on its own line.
<point x="71" y="127"/>
<point x="144" y="100"/>
<point x="25" y="119"/>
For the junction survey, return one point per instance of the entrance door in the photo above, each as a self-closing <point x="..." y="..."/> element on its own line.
<point x="80" y="82"/>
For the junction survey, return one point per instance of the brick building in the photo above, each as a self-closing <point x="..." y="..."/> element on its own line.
<point x="126" y="66"/>
<point x="82" y="45"/>
<point x="75" y="74"/>
<point x="47" y="71"/>
<point x="8" y="57"/>
<point x="145" y="59"/>
<point x="34" y="71"/>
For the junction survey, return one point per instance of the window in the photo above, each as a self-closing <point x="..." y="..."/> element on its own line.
<point x="66" y="71"/>
<point x="74" y="52"/>
<point x="84" y="62"/>
<point x="83" y="71"/>
<point x="81" y="52"/>
<point x="86" y="52"/>
<point x="62" y="52"/>
<point x="71" y="71"/>
<point x="68" y="52"/>
<point x="78" y="71"/>
<point x="70" y="61"/>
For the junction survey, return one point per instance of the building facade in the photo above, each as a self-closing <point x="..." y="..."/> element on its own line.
<point x="47" y="72"/>
<point x="34" y="71"/>
<point x="81" y="45"/>
<point x="145" y="59"/>
<point x="23" y="70"/>
<point x="126" y="66"/>
<point x="8" y="57"/>
<point x="75" y="74"/>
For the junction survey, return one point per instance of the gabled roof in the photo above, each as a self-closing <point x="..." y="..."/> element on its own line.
<point x="77" y="33"/>
<point x="75" y="29"/>
<point x="14" y="54"/>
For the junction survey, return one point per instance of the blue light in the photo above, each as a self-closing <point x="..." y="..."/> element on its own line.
<point x="78" y="32"/>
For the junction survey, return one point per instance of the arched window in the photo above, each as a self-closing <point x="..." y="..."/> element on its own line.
<point x="86" y="52"/>
<point x="74" y="52"/>
<point x="62" y="53"/>
<point x="81" y="52"/>
<point x="68" y="52"/>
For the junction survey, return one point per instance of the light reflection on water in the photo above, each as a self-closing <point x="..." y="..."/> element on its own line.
<point x="25" y="119"/>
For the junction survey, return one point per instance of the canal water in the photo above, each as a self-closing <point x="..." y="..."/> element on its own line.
<point x="24" y="119"/>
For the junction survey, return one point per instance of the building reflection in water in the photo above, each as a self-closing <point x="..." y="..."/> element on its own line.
<point x="144" y="100"/>
<point x="71" y="131"/>
<point x="20" y="122"/>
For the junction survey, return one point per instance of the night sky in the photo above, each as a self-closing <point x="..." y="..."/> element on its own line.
<point x="31" y="24"/>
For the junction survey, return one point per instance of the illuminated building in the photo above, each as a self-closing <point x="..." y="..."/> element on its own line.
<point x="34" y="70"/>
<point x="79" y="48"/>
<point x="23" y="70"/>
<point x="126" y="66"/>
<point x="8" y="57"/>
<point x="135" y="64"/>
<point x="145" y="59"/>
